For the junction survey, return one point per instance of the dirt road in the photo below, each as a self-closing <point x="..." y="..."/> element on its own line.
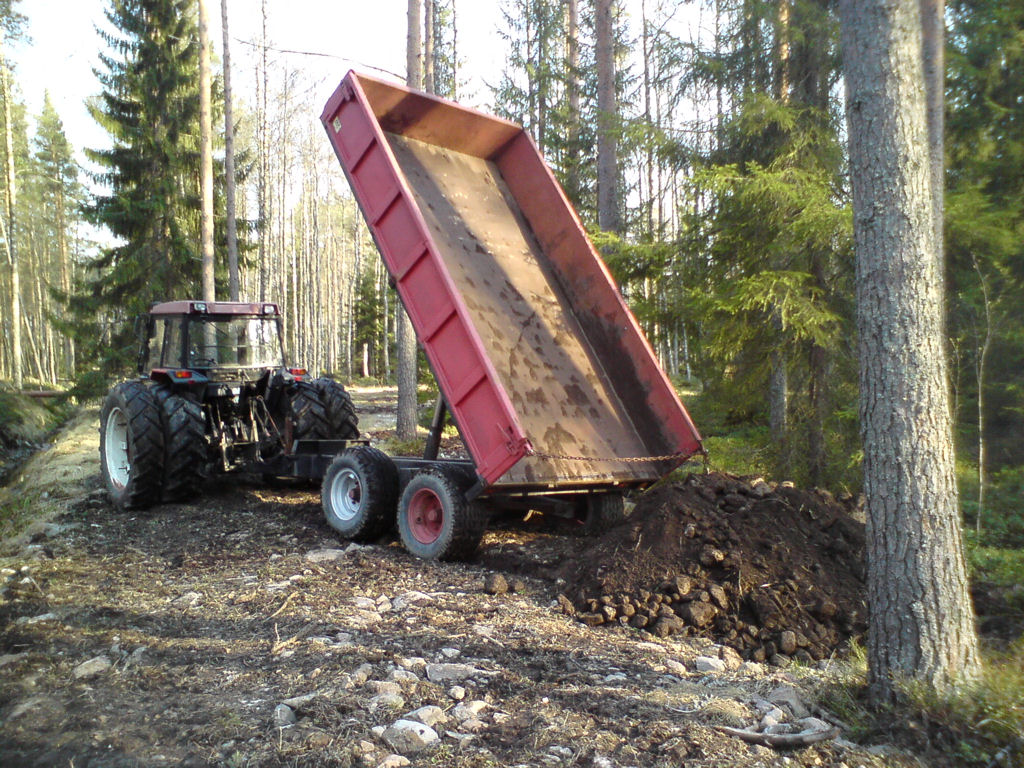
<point x="239" y="631"/>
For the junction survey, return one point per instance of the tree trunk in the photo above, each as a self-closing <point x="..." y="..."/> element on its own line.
<point x="607" y="119"/>
<point x="921" y="623"/>
<point x="11" y="233"/>
<point x="205" y="153"/>
<point x="229" y="162"/>
<point x="429" y="47"/>
<point x="983" y="346"/>
<point x="573" y="88"/>
<point x="405" y="336"/>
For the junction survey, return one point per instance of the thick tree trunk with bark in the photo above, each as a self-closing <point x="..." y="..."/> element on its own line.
<point x="921" y="623"/>
<point x="607" y="163"/>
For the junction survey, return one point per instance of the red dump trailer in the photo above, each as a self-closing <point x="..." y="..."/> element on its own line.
<point x="556" y="393"/>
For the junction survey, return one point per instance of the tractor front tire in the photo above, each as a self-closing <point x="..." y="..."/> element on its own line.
<point x="132" y="446"/>
<point x="436" y="521"/>
<point x="185" y="459"/>
<point x="341" y="414"/>
<point x="308" y="415"/>
<point x="360" y="492"/>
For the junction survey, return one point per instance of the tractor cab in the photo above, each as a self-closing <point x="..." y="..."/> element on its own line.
<point x="216" y="341"/>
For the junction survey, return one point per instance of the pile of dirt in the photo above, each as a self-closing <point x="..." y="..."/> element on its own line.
<point x="766" y="569"/>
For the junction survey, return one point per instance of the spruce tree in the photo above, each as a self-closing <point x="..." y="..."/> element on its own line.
<point x="150" y="106"/>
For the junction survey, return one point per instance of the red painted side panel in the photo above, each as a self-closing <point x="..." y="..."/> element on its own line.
<point x="488" y="423"/>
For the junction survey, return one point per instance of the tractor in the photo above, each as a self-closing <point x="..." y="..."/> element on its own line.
<point x="214" y="394"/>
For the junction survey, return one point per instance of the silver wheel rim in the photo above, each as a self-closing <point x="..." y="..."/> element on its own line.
<point x="115" y="448"/>
<point x="346" y="495"/>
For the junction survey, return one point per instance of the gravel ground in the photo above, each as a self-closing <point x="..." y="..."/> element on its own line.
<point x="238" y="630"/>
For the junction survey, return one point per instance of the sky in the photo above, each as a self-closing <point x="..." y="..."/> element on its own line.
<point x="64" y="46"/>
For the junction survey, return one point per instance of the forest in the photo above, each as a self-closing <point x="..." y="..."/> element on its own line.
<point x="813" y="208"/>
<point x="724" y="213"/>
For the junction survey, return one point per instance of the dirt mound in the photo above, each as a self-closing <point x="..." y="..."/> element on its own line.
<point x="764" y="569"/>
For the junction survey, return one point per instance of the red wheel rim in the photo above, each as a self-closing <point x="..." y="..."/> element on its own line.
<point x="425" y="516"/>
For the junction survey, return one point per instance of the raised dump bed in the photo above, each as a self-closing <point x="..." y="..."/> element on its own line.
<point x="546" y="372"/>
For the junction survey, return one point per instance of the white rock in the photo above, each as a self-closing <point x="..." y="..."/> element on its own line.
<point x="411" y="663"/>
<point x="364" y="603"/>
<point x="37" y="619"/>
<point x="284" y="716"/>
<point x="11" y="658"/>
<point x="600" y="761"/>
<point x="468" y="709"/>
<point x="190" y="599"/>
<point x="325" y="555"/>
<point x="415" y="596"/>
<point x="473" y="725"/>
<point x="394" y="761"/>
<point x="383" y="686"/>
<point x="378" y="730"/>
<point x="709" y="664"/>
<point x="391" y="701"/>
<point x="450" y="653"/>
<point x="409" y="736"/>
<point x="450" y="673"/>
<point x="615" y="678"/>
<point x="383" y="604"/>
<point x="429" y="715"/>
<point x="407" y="680"/>
<point x="812" y="724"/>
<point x="789" y="697"/>
<point x="676" y="668"/>
<point x="298" y="701"/>
<point x="91" y="668"/>
<point x="457" y="692"/>
<point x="649" y="646"/>
<point x="560" y="751"/>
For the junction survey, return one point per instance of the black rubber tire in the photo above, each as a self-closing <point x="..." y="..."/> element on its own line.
<point x="307" y="413"/>
<point x="185" y="447"/>
<point x="131" y="411"/>
<point x="602" y="511"/>
<point x="341" y="414"/>
<point x="360" y="493"/>
<point x="459" y="524"/>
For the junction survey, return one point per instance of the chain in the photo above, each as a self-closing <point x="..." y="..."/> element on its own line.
<point x="625" y="460"/>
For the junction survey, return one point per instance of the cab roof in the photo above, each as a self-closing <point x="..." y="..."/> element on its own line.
<point x="194" y="307"/>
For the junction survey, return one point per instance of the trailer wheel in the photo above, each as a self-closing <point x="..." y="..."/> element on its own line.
<point x="184" y="428"/>
<point x="359" y="493"/>
<point x="435" y="521"/>
<point x="603" y="511"/>
<point x="308" y="415"/>
<point x="341" y="414"/>
<point x="131" y="446"/>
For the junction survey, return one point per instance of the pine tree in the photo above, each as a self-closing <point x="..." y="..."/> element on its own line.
<point x="61" y="195"/>
<point x="149" y="106"/>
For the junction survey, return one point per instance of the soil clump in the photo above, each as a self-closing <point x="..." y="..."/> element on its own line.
<point x="773" y="571"/>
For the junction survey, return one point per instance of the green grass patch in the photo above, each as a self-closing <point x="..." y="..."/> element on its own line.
<point x="973" y="726"/>
<point x="16" y="512"/>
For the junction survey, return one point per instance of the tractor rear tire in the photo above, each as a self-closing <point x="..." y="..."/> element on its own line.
<point x="341" y="414"/>
<point x="360" y="493"/>
<point x="308" y="415"/>
<point x="436" y="521"/>
<point x="185" y="455"/>
<point x="132" y="446"/>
